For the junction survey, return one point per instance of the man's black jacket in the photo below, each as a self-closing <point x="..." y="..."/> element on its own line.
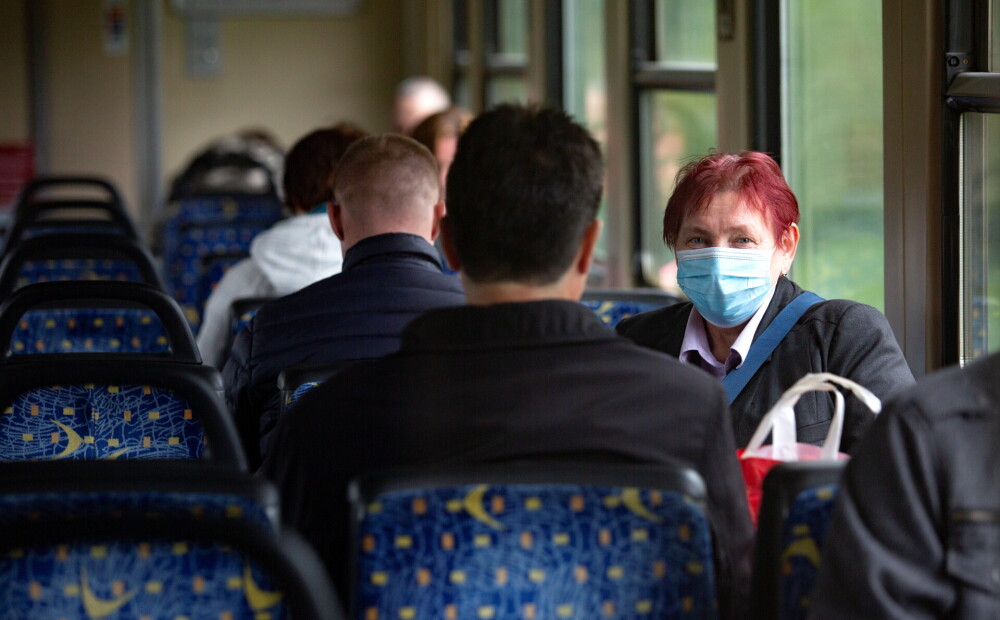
<point x="386" y="281"/>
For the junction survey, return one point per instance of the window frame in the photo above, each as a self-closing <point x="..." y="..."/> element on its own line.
<point x="969" y="86"/>
<point x="649" y="74"/>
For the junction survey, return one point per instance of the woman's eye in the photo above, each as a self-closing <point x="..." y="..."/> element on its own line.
<point x="696" y="240"/>
<point x="744" y="241"/>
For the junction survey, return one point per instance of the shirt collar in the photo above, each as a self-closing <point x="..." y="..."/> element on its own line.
<point x="695" y="347"/>
<point x="504" y="326"/>
<point x="391" y="243"/>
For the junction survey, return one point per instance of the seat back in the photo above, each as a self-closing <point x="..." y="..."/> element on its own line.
<point x="94" y="317"/>
<point x="72" y="257"/>
<point x="614" y="305"/>
<point x="213" y="268"/>
<point x="294" y="382"/>
<point x="38" y="191"/>
<point x="99" y="489"/>
<point x="243" y="310"/>
<point x="798" y="501"/>
<point x="80" y="216"/>
<point x="123" y="540"/>
<point x="551" y="542"/>
<point x="114" y="407"/>
<point x="198" y="247"/>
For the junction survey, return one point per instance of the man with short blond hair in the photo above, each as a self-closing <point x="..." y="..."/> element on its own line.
<point x="386" y="212"/>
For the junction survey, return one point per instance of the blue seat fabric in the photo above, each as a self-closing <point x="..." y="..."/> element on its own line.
<point x="803" y="534"/>
<point x="69" y="269"/>
<point x="114" y="579"/>
<point x="216" y="269"/>
<point x="89" y="330"/>
<point x="100" y="422"/>
<point x="206" y="226"/>
<point x="243" y="320"/>
<point x="46" y="228"/>
<point x="612" y="312"/>
<point x="300" y="391"/>
<point x="185" y="267"/>
<point x="534" y="551"/>
<point x="19" y="507"/>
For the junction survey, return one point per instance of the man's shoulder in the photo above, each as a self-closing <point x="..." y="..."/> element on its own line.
<point x="660" y="370"/>
<point x="970" y="391"/>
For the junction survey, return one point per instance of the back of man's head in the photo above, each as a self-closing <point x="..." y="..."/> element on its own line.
<point x="524" y="187"/>
<point x="387" y="183"/>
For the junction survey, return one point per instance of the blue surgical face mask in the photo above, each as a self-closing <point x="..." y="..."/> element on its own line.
<point x="726" y="285"/>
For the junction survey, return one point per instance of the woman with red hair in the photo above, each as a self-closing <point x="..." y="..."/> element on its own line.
<point x="732" y="223"/>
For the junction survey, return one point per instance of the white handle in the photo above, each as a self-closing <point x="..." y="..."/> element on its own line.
<point x="781" y="417"/>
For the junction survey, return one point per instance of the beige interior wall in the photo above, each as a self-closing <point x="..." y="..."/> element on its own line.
<point x="14" y="125"/>
<point x="91" y="122"/>
<point x="286" y="75"/>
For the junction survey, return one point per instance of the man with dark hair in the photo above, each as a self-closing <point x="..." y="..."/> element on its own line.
<point x="523" y="372"/>
<point x="293" y="253"/>
<point x="386" y="211"/>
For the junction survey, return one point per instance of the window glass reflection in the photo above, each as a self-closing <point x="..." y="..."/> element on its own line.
<point x="677" y="126"/>
<point x="980" y="236"/>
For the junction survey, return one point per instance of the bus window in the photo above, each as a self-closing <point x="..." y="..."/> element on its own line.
<point x="831" y="147"/>
<point x="677" y="118"/>
<point x="585" y="84"/>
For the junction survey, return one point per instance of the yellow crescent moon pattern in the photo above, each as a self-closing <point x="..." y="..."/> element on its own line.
<point x="257" y="599"/>
<point x="803" y="547"/>
<point x="604" y="311"/>
<point x="632" y="501"/>
<point x="473" y="504"/>
<point x="99" y="608"/>
<point x="74" y="443"/>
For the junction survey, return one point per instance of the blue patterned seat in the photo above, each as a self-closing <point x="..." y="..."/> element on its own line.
<point x="202" y="227"/>
<point x="213" y="269"/>
<point x="79" y="212"/>
<point x="95" y="490"/>
<point x="299" y="392"/>
<point x="66" y="257"/>
<point x="91" y="330"/>
<point x="798" y="501"/>
<point x="66" y="269"/>
<point x="195" y="250"/>
<point x="93" y="317"/>
<point x="113" y="407"/>
<point x="242" y="311"/>
<point x="614" y="305"/>
<point x="804" y="534"/>
<point x="532" y="550"/>
<point x="160" y="579"/>
<point x="96" y="421"/>
<point x="296" y="381"/>
<point x="144" y="542"/>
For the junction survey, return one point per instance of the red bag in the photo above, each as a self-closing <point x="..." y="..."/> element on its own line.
<point x="757" y="459"/>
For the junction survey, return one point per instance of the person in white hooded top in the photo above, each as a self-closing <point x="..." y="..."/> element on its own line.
<point x="293" y="253"/>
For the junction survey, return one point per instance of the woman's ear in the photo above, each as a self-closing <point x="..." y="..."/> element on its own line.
<point x="788" y="244"/>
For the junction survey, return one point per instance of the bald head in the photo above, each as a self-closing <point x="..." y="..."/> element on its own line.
<point x="417" y="98"/>
<point x="386" y="183"/>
